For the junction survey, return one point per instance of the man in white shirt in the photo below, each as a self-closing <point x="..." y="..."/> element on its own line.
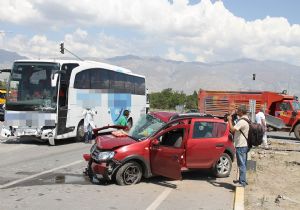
<point x="261" y="119"/>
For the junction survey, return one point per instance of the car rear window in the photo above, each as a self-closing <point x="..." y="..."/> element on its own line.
<point x="208" y="129"/>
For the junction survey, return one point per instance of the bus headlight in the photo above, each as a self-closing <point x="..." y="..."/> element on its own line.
<point x="105" y="156"/>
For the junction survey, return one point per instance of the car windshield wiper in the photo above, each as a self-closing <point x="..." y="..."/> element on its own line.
<point x="134" y="138"/>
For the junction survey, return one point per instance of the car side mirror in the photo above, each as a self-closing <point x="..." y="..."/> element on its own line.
<point x="155" y="142"/>
<point x="294" y="113"/>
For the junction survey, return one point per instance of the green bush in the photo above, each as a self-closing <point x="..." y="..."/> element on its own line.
<point x="168" y="99"/>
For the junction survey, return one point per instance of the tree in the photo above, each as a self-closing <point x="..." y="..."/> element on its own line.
<point x="169" y="99"/>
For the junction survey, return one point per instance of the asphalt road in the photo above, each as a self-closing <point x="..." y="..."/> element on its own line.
<point x="37" y="176"/>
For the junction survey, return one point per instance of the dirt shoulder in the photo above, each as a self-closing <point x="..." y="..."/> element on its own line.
<point x="276" y="182"/>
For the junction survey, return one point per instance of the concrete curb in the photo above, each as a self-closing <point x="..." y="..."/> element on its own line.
<point x="239" y="198"/>
<point x="239" y="194"/>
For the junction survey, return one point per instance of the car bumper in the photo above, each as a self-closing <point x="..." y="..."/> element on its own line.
<point x="102" y="170"/>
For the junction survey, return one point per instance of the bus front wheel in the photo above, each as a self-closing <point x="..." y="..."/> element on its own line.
<point x="80" y="132"/>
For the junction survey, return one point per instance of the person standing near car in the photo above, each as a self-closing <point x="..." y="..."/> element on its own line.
<point x="88" y="124"/>
<point x="240" y="130"/>
<point x="261" y="119"/>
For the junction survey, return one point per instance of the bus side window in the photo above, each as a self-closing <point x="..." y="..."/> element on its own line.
<point x="82" y="80"/>
<point x="99" y="79"/>
<point x="139" y="86"/>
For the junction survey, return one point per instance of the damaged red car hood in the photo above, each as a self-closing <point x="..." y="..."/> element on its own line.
<point x="111" y="141"/>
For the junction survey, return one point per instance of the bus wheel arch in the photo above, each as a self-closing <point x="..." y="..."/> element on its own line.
<point x="80" y="132"/>
<point x="129" y="123"/>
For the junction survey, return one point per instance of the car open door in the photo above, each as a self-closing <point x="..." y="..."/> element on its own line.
<point x="166" y="159"/>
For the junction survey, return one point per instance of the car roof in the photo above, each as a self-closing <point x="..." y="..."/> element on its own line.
<point x="163" y="116"/>
<point x="170" y="116"/>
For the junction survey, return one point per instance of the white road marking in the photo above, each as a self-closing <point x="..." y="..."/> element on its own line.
<point x="39" y="174"/>
<point x="160" y="198"/>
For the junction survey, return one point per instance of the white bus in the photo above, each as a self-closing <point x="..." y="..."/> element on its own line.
<point x="46" y="98"/>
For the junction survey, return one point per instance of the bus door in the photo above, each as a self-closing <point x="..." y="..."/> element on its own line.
<point x="63" y="85"/>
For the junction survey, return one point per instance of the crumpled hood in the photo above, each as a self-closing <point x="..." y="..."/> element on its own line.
<point x="110" y="141"/>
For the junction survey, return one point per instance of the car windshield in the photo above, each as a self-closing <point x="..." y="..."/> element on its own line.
<point x="145" y="126"/>
<point x="30" y="87"/>
<point x="296" y="105"/>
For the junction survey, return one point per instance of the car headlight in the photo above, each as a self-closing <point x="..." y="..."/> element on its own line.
<point x="105" y="155"/>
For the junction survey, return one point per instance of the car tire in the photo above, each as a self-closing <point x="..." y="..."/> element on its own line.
<point x="128" y="174"/>
<point x="297" y="131"/>
<point x="80" y="132"/>
<point x="222" y="167"/>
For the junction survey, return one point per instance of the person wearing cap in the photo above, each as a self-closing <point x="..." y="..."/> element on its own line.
<point x="240" y="130"/>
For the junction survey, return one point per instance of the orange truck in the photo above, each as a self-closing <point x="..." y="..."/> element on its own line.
<point x="282" y="111"/>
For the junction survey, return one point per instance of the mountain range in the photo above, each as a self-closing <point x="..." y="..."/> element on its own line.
<point x="190" y="76"/>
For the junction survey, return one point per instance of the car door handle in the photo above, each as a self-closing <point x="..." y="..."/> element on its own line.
<point x="219" y="145"/>
<point x="156" y="148"/>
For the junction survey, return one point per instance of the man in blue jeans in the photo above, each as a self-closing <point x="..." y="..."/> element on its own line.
<point x="240" y="142"/>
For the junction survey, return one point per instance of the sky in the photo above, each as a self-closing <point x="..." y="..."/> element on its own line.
<point x="183" y="30"/>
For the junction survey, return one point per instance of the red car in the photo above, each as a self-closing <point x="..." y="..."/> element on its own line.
<point x="162" y="143"/>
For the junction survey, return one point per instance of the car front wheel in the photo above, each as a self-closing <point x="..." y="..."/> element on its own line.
<point x="223" y="166"/>
<point x="128" y="174"/>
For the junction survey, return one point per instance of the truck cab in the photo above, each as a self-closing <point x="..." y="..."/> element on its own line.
<point x="287" y="110"/>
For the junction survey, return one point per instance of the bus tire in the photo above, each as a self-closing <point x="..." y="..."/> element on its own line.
<point x="80" y="132"/>
<point x="297" y="131"/>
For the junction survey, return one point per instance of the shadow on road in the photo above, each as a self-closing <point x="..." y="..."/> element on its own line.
<point x="35" y="141"/>
<point x="81" y="179"/>
<point x="55" y="178"/>
<point x="222" y="184"/>
<point x="197" y="175"/>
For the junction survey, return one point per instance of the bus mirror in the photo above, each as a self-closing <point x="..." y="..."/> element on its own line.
<point x="54" y="79"/>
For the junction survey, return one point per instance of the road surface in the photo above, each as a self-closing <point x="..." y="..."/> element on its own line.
<point x="37" y="176"/>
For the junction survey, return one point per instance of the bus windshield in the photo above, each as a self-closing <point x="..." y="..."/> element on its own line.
<point x="30" y="87"/>
<point x="146" y="125"/>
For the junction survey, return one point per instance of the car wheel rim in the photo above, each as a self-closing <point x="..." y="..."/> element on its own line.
<point x="131" y="175"/>
<point x="223" y="165"/>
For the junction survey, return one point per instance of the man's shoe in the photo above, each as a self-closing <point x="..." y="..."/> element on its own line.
<point x="235" y="181"/>
<point x="240" y="185"/>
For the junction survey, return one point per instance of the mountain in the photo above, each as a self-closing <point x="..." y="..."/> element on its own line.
<point x="6" y="60"/>
<point x="7" y="57"/>
<point x="190" y="76"/>
<point x="231" y="75"/>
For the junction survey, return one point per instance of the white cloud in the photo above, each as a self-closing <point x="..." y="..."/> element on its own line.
<point x="204" y="32"/>
<point x="173" y="55"/>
